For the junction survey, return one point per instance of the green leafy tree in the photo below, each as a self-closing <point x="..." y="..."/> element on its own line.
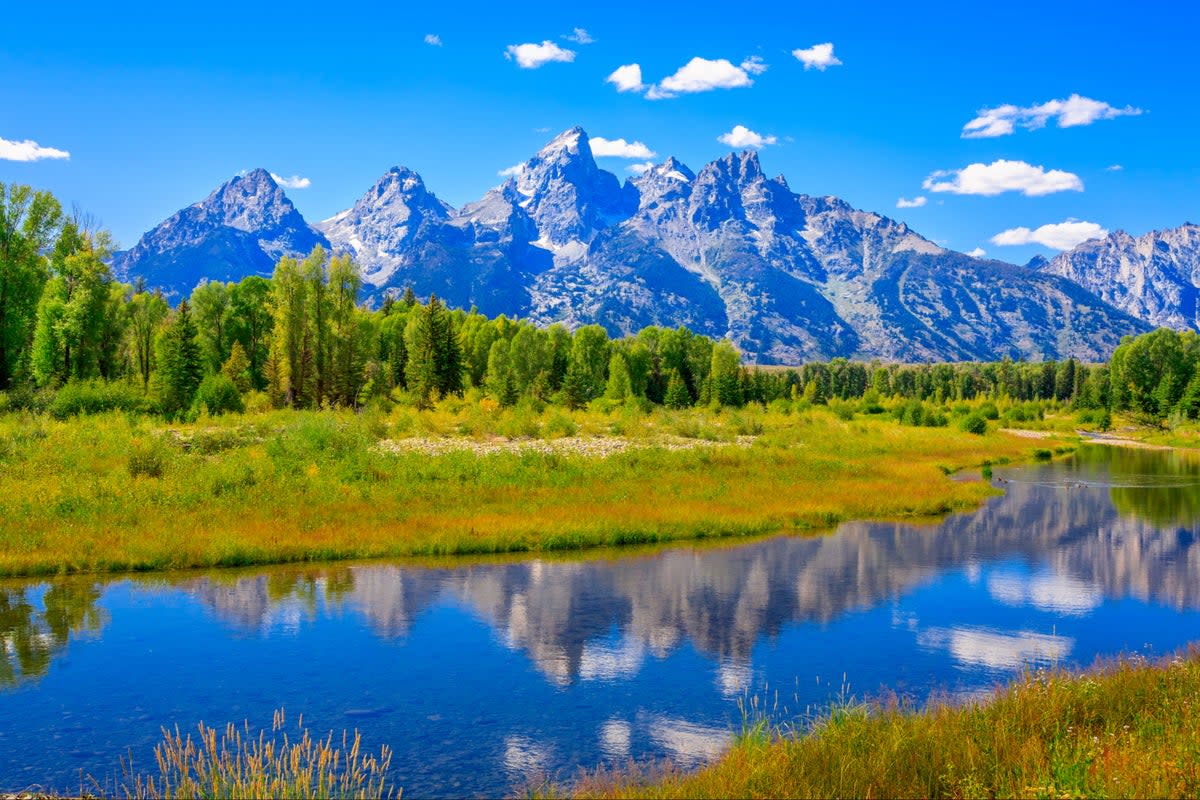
<point x="618" y="386"/>
<point x="29" y="222"/>
<point x="212" y="309"/>
<point x="589" y="357"/>
<point x="145" y="313"/>
<point x="290" y="343"/>
<point x="251" y="323"/>
<point x="237" y="368"/>
<point x="724" y="375"/>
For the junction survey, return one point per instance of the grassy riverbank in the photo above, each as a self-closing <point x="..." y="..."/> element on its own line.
<point x="115" y="492"/>
<point x="1131" y="730"/>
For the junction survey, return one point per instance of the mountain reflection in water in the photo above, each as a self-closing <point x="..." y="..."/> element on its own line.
<point x="545" y="665"/>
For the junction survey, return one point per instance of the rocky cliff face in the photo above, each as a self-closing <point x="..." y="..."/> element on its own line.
<point x="241" y="229"/>
<point x="726" y="251"/>
<point x="1155" y="277"/>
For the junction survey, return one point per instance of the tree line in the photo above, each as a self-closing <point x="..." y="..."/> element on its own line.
<point x="303" y="339"/>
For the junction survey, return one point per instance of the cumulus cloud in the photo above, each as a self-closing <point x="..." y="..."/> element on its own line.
<point x="916" y="202"/>
<point x="627" y="78"/>
<point x="619" y="148"/>
<point x="819" y="56"/>
<point x="433" y="39"/>
<point x="511" y="172"/>
<point x="701" y="75"/>
<point x="639" y="168"/>
<point x="741" y="137"/>
<point x="1059" y="236"/>
<point x="294" y="182"/>
<point x="978" y="252"/>
<point x="28" y="150"/>
<point x="579" y="36"/>
<point x="1003" y="176"/>
<point x="532" y="56"/>
<point x="1074" y="111"/>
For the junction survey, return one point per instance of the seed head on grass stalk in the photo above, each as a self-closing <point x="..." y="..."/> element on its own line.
<point x="238" y="764"/>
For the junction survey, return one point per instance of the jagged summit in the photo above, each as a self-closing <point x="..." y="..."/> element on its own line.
<point x="724" y="250"/>
<point x="1155" y="277"/>
<point x="242" y="228"/>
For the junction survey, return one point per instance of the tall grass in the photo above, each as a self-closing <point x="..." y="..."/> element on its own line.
<point x="1129" y="730"/>
<point x="113" y="491"/>
<point x="238" y="764"/>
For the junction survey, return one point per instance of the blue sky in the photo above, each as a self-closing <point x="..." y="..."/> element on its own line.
<point x="157" y="104"/>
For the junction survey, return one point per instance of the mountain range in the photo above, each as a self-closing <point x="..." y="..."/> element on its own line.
<point x="726" y="251"/>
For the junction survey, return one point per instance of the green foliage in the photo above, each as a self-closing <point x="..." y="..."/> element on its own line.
<point x="180" y="365"/>
<point x="677" y="395"/>
<point x="95" y="397"/>
<point x="618" y="387"/>
<point x="218" y="395"/>
<point x="973" y="423"/>
<point x="147" y="458"/>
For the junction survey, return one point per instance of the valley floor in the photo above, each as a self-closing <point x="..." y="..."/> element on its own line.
<point x="116" y="492"/>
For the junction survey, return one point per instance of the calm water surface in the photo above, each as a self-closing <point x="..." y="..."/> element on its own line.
<point x="484" y="677"/>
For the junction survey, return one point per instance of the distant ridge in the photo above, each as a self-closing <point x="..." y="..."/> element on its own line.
<point x="726" y="251"/>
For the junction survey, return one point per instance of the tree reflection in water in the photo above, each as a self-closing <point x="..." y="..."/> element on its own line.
<point x="34" y="633"/>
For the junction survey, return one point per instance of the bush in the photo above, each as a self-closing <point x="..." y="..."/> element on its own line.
<point x="218" y="395"/>
<point x="95" y="397"/>
<point x="560" y="426"/>
<point x="147" y="458"/>
<point x="989" y="411"/>
<point x="973" y="423"/>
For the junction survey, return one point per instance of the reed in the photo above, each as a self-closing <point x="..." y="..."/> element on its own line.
<point x="239" y="764"/>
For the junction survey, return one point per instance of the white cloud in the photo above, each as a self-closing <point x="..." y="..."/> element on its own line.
<point x="916" y="202"/>
<point x="511" y="172"/>
<point x="1114" y="168"/>
<point x="532" y="56"/>
<point x="754" y="65"/>
<point x="819" y="56"/>
<point x="701" y="75"/>
<point x="619" y="148"/>
<point x="1059" y="236"/>
<point x="579" y="36"/>
<point x="1003" y="176"/>
<point x="294" y="182"/>
<point x="433" y="39"/>
<point x="1074" y="111"/>
<point x="627" y="78"/>
<point x="741" y="136"/>
<point x="639" y="168"/>
<point x="978" y="252"/>
<point x="28" y="150"/>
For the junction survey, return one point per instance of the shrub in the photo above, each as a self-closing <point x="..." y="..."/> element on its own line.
<point x="147" y="458"/>
<point x="973" y="423"/>
<point x="841" y="410"/>
<point x="218" y="394"/>
<point x="560" y="426"/>
<point x="95" y="397"/>
<point x="1042" y="454"/>
<point x="989" y="411"/>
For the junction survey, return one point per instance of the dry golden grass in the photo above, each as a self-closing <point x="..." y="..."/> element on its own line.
<point x="110" y="493"/>
<point x="238" y="764"/>
<point x="1132" y="730"/>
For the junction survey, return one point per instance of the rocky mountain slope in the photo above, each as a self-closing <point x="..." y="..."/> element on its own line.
<point x="726" y="251"/>
<point x="241" y="229"/>
<point x="1155" y="277"/>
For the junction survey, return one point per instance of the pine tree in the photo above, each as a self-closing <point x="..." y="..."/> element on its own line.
<point x="677" y="395"/>
<point x="425" y="353"/>
<point x="575" y="386"/>
<point x="180" y="363"/>
<point x="410" y="298"/>
<point x="450" y="381"/>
